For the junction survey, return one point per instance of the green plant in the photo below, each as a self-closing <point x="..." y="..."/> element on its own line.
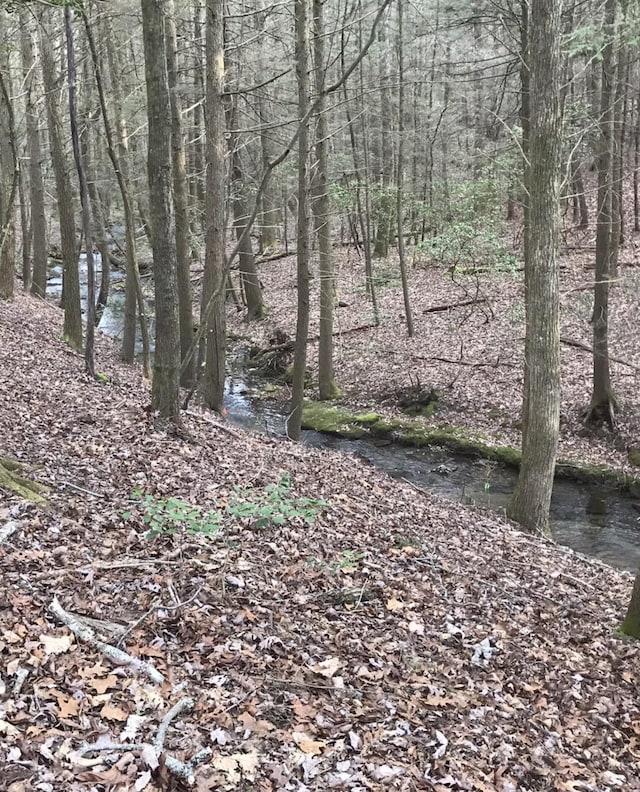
<point x="347" y="561"/>
<point x="167" y="516"/>
<point x="273" y="505"/>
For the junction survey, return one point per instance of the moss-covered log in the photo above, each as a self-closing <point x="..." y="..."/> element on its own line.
<point x="19" y="485"/>
<point x="336" y="420"/>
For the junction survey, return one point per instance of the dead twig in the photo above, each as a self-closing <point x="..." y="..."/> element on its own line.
<point x="117" y="656"/>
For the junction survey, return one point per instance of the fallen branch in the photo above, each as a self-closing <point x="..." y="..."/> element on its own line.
<point x="351" y="330"/>
<point x="273" y="257"/>
<point x="154" y="755"/>
<point x="461" y="362"/>
<point x="449" y="306"/>
<point x="8" y="530"/>
<point x="586" y="348"/>
<point x="114" y="654"/>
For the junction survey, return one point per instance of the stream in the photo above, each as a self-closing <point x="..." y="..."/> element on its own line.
<point x="596" y="520"/>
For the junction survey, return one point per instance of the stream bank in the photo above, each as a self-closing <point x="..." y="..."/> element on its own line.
<point x="594" y="508"/>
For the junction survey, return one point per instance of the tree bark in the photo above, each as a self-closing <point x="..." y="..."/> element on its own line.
<point x="165" y="390"/>
<point x="72" y="330"/>
<point x="36" y="183"/>
<point x="541" y="400"/>
<point x="84" y="198"/>
<point x="322" y="212"/>
<point x="9" y="168"/>
<point x="213" y="287"/>
<point x="302" y="244"/>
<point x="603" y="404"/>
<point x="180" y="201"/>
<point x="400" y="179"/>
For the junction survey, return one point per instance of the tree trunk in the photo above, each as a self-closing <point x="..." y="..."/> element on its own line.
<point x="119" y="161"/>
<point x="10" y="174"/>
<point x="165" y="391"/>
<point x="302" y="245"/>
<point x="603" y="404"/>
<point x="84" y="197"/>
<point x="72" y="331"/>
<point x="385" y="159"/>
<point x="400" y="178"/>
<point x="322" y="212"/>
<point x="180" y="202"/>
<point x="36" y="183"/>
<point x="532" y="496"/>
<point x="246" y="260"/>
<point x="122" y="170"/>
<point x="631" y="623"/>
<point x="213" y="287"/>
<point x="89" y="141"/>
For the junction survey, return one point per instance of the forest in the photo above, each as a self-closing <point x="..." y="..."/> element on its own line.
<point x="319" y="412"/>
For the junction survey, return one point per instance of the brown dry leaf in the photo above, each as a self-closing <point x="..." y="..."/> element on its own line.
<point x="307" y="745"/>
<point x="102" y="684"/>
<point x="394" y="605"/>
<point x="56" y="644"/>
<point x="259" y="727"/>
<point x="111" y="712"/>
<point x="303" y="711"/>
<point x="327" y="668"/>
<point x="229" y="766"/>
<point x="67" y="705"/>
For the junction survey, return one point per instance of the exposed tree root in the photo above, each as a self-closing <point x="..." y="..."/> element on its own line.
<point x="602" y="412"/>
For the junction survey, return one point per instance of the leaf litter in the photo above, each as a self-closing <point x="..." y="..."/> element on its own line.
<point x="451" y="652"/>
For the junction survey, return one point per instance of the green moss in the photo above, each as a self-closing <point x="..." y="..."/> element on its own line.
<point x="367" y="418"/>
<point x="102" y="377"/>
<point x="332" y="420"/>
<point x="335" y="420"/>
<point x="634" y="456"/>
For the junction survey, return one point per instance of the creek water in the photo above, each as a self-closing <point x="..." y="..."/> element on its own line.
<point x="595" y="520"/>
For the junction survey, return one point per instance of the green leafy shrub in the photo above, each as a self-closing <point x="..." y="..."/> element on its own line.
<point x="270" y="505"/>
<point x="168" y="516"/>
<point x="468" y="227"/>
<point x="273" y="505"/>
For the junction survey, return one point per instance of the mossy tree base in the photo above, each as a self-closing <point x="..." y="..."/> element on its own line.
<point x="18" y="485"/>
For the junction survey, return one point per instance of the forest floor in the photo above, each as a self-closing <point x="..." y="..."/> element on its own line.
<point x="470" y="354"/>
<point x="397" y="642"/>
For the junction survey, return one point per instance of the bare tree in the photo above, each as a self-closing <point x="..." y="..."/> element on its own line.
<point x="302" y="247"/>
<point x="84" y="197"/>
<point x="72" y="330"/>
<point x="322" y="212"/>
<point x="541" y="399"/>
<point x="165" y="391"/>
<point x="36" y="183"/>
<point x="180" y="198"/>
<point x="603" y="403"/>
<point x="214" y="268"/>
<point x="9" y="168"/>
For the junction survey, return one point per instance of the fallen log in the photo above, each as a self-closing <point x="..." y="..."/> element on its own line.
<point x="449" y="306"/>
<point x="18" y="485"/>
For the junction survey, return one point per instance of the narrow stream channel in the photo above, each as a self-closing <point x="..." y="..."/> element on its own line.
<point x="595" y="520"/>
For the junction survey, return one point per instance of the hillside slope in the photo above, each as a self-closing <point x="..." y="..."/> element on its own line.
<point x="397" y="642"/>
